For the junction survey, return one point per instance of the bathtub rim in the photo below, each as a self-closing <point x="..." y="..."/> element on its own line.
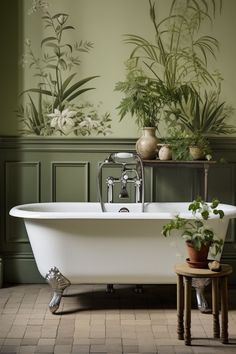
<point x="22" y="211"/>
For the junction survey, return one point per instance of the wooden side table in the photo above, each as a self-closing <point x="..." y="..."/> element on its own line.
<point x="203" y="164"/>
<point x="184" y="285"/>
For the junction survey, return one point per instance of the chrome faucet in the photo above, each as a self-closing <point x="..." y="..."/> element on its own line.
<point x="132" y="171"/>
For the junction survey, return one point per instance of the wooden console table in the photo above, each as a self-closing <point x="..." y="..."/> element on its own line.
<point x="202" y="164"/>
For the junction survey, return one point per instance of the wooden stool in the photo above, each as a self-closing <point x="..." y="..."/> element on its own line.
<point x="184" y="288"/>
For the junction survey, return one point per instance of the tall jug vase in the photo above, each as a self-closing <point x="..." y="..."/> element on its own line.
<point x="146" y="146"/>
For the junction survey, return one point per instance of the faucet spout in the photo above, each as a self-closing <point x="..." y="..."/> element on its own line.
<point x="123" y="193"/>
<point x="124" y="179"/>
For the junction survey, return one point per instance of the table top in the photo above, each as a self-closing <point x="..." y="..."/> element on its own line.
<point x="195" y="163"/>
<point x="184" y="269"/>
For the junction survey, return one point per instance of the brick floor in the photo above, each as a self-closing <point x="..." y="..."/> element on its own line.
<point x="91" y="321"/>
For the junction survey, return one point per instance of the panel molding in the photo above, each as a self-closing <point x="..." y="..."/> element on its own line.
<point x="21" y="268"/>
<point x="36" y="165"/>
<point x="55" y="165"/>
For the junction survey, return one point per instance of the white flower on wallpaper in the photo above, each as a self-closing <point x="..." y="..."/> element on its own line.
<point x="54" y="106"/>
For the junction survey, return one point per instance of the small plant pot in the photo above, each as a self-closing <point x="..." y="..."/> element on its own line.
<point x="196" y="152"/>
<point x="197" y="259"/>
<point x="165" y="152"/>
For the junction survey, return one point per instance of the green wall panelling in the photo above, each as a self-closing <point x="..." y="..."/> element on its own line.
<point x="22" y="185"/>
<point x="62" y="169"/>
<point x="21" y="268"/>
<point x="70" y="181"/>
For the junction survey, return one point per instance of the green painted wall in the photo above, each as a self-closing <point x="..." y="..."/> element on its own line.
<point x="103" y="22"/>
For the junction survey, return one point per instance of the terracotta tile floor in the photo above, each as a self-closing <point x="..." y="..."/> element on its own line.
<point x="91" y="321"/>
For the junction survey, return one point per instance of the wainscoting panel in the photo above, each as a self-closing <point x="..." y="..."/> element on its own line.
<point x="22" y="185"/>
<point x="173" y="184"/>
<point x="61" y="169"/>
<point x="70" y="181"/>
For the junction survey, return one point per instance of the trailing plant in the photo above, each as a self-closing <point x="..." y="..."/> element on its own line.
<point x="194" y="230"/>
<point x="57" y="86"/>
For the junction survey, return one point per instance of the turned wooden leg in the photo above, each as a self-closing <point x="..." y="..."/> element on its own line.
<point x="224" y="310"/>
<point x="180" y="307"/>
<point x="187" y="310"/>
<point x="215" y="307"/>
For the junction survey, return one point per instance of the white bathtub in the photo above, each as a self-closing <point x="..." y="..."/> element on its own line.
<point x="90" y="246"/>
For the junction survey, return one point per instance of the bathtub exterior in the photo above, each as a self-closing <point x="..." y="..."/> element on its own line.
<point x="89" y="246"/>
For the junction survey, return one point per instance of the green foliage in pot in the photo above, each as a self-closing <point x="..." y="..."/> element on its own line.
<point x="177" y="59"/>
<point x="194" y="230"/>
<point x="202" y="142"/>
<point x="143" y="98"/>
<point x="178" y="139"/>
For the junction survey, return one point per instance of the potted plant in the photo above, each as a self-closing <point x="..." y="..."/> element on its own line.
<point x="199" y="238"/>
<point x="178" y="141"/>
<point x="177" y="59"/>
<point x="143" y="98"/>
<point x="199" y="147"/>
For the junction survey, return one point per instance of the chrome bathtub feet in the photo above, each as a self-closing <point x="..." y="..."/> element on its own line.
<point x="200" y="285"/>
<point x="58" y="283"/>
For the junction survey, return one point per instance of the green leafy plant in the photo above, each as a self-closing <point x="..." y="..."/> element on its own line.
<point x="204" y="116"/>
<point x="177" y="60"/>
<point x="194" y="230"/>
<point x="179" y="141"/>
<point x="178" y="57"/>
<point x="144" y="98"/>
<point x="57" y="87"/>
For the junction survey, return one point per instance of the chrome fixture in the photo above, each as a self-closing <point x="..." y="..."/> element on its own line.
<point x="200" y="284"/>
<point x="58" y="283"/>
<point x="132" y="172"/>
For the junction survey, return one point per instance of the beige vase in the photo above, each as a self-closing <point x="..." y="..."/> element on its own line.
<point x="165" y="152"/>
<point x="146" y="146"/>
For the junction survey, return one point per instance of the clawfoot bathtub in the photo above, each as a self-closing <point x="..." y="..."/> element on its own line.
<point x="76" y="243"/>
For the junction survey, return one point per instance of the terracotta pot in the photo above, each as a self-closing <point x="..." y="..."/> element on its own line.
<point x="197" y="259"/>
<point x="165" y="152"/>
<point x="146" y="146"/>
<point x="196" y="153"/>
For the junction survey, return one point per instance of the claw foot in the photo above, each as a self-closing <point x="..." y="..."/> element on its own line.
<point x="200" y="285"/>
<point x="58" y="283"/>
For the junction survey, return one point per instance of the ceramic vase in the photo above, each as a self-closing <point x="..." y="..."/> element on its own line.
<point x="146" y="146"/>
<point x="165" y="152"/>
